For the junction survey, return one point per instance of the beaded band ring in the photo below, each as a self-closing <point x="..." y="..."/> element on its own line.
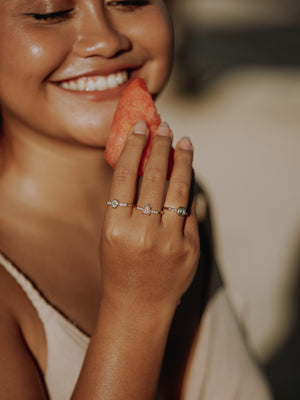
<point x="116" y="203"/>
<point x="147" y="210"/>
<point x="181" y="211"/>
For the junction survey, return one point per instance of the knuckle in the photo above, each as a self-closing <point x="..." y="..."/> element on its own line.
<point x="121" y="174"/>
<point x="173" y="250"/>
<point x="176" y="254"/>
<point x="136" y="140"/>
<point x="134" y="144"/>
<point x="159" y="141"/>
<point x="144" y="243"/>
<point x="112" y="234"/>
<point x="194" y="248"/>
<point x="181" y="188"/>
<point x="155" y="174"/>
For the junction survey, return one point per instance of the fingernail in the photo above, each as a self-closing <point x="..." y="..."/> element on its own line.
<point x="140" y="127"/>
<point x="186" y="144"/>
<point x="164" y="129"/>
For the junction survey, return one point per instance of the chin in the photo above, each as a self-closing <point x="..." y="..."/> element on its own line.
<point x="94" y="136"/>
<point x="87" y="128"/>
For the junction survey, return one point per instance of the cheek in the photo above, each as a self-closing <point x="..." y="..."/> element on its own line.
<point x="36" y="53"/>
<point x="159" y="38"/>
<point x="154" y="35"/>
<point x="163" y="41"/>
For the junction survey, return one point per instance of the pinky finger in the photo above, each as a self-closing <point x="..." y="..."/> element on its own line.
<point x="191" y="224"/>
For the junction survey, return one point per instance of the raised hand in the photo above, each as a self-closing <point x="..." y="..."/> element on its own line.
<point x="149" y="252"/>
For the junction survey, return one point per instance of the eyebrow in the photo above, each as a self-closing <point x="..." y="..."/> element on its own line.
<point x="34" y="3"/>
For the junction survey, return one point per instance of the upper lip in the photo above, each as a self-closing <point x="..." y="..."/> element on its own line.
<point x="94" y="72"/>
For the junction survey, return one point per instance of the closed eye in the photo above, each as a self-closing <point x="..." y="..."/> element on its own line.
<point x="128" y="3"/>
<point x="57" y="16"/>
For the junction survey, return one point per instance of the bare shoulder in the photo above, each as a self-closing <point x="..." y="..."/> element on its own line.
<point x="20" y="375"/>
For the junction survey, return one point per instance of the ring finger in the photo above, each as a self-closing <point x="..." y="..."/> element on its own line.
<point x="178" y="194"/>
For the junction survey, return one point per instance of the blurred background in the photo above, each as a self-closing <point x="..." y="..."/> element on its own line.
<point x="235" y="91"/>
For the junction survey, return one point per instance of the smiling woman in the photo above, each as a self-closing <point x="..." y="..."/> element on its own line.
<point x="62" y="41"/>
<point x="98" y="301"/>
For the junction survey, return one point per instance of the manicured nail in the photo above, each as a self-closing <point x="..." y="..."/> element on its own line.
<point x="164" y="129"/>
<point x="186" y="144"/>
<point x="140" y="127"/>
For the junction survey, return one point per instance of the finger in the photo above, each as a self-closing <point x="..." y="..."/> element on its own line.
<point x="178" y="193"/>
<point x="191" y="224"/>
<point x="152" y="191"/>
<point x="123" y="188"/>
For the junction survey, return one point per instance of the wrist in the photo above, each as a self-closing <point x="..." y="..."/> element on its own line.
<point x="127" y="349"/>
<point x="137" y="316"/>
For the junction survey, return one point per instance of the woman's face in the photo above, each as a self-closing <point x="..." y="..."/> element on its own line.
<point x="64" y="63"/>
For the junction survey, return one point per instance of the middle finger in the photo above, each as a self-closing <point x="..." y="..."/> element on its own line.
<point x="153" y="185"/>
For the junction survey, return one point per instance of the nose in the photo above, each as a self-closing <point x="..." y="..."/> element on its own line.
<point x="97" y="36"/>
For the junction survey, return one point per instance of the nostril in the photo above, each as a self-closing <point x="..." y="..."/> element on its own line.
<point x="122" y="51"/>
<point x="101" y="41"/>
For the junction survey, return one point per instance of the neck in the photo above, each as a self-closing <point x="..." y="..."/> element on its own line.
<point x="62" y="180"/>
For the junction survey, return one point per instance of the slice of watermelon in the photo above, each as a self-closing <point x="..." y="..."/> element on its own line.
<point x="136" y="103"/>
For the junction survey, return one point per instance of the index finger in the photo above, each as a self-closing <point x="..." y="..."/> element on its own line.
<point x="124" y="183"/>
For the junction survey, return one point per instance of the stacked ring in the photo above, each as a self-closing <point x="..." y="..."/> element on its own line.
<point x="115" y="203"/>
<point x="181" y="211"/>
<point x="147" y="210"/>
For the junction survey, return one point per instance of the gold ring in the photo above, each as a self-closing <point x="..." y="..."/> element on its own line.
<point x="115" y="204"/>
<point x="147" y="210"/>
<point x="181" y="211"/>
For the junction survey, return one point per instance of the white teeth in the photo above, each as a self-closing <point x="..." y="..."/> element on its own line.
<point x="112" y="81"/>
<point x="101" y="83"/>
<point x="82" y="84"/>
<point x="91" y="85"/>
<point x="121" y="77"/>
<point x="72" y="85"/>
<point x="96" y="83"/>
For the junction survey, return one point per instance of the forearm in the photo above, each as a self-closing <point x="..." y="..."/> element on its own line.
<point x="125" y="354"/>
<point x="147" y="264"/>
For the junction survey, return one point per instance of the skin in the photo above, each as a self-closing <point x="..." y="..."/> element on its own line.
<point x="98" y="265"/>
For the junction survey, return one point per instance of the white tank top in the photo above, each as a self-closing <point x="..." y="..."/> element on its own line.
<point x="220" y="366"/>
<point x="66" y="343"/>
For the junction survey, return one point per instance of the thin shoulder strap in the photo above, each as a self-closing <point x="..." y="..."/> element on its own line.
<point x="34" y="295"/>
<point x="42" y="305"/>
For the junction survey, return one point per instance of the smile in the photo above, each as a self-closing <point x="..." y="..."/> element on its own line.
<point x="96" y="83"/>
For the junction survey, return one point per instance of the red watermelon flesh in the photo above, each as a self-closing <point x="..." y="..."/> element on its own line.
<point x="136" y="103"/>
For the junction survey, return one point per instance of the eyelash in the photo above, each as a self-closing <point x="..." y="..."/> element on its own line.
<point x="128" y="3"/>
<point x="53" y="17"/>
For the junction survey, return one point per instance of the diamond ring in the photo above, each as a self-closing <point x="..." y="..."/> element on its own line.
<point x="181" y="211"/>
<point x="115" y="204"/>
<point x="147" y="210"/>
